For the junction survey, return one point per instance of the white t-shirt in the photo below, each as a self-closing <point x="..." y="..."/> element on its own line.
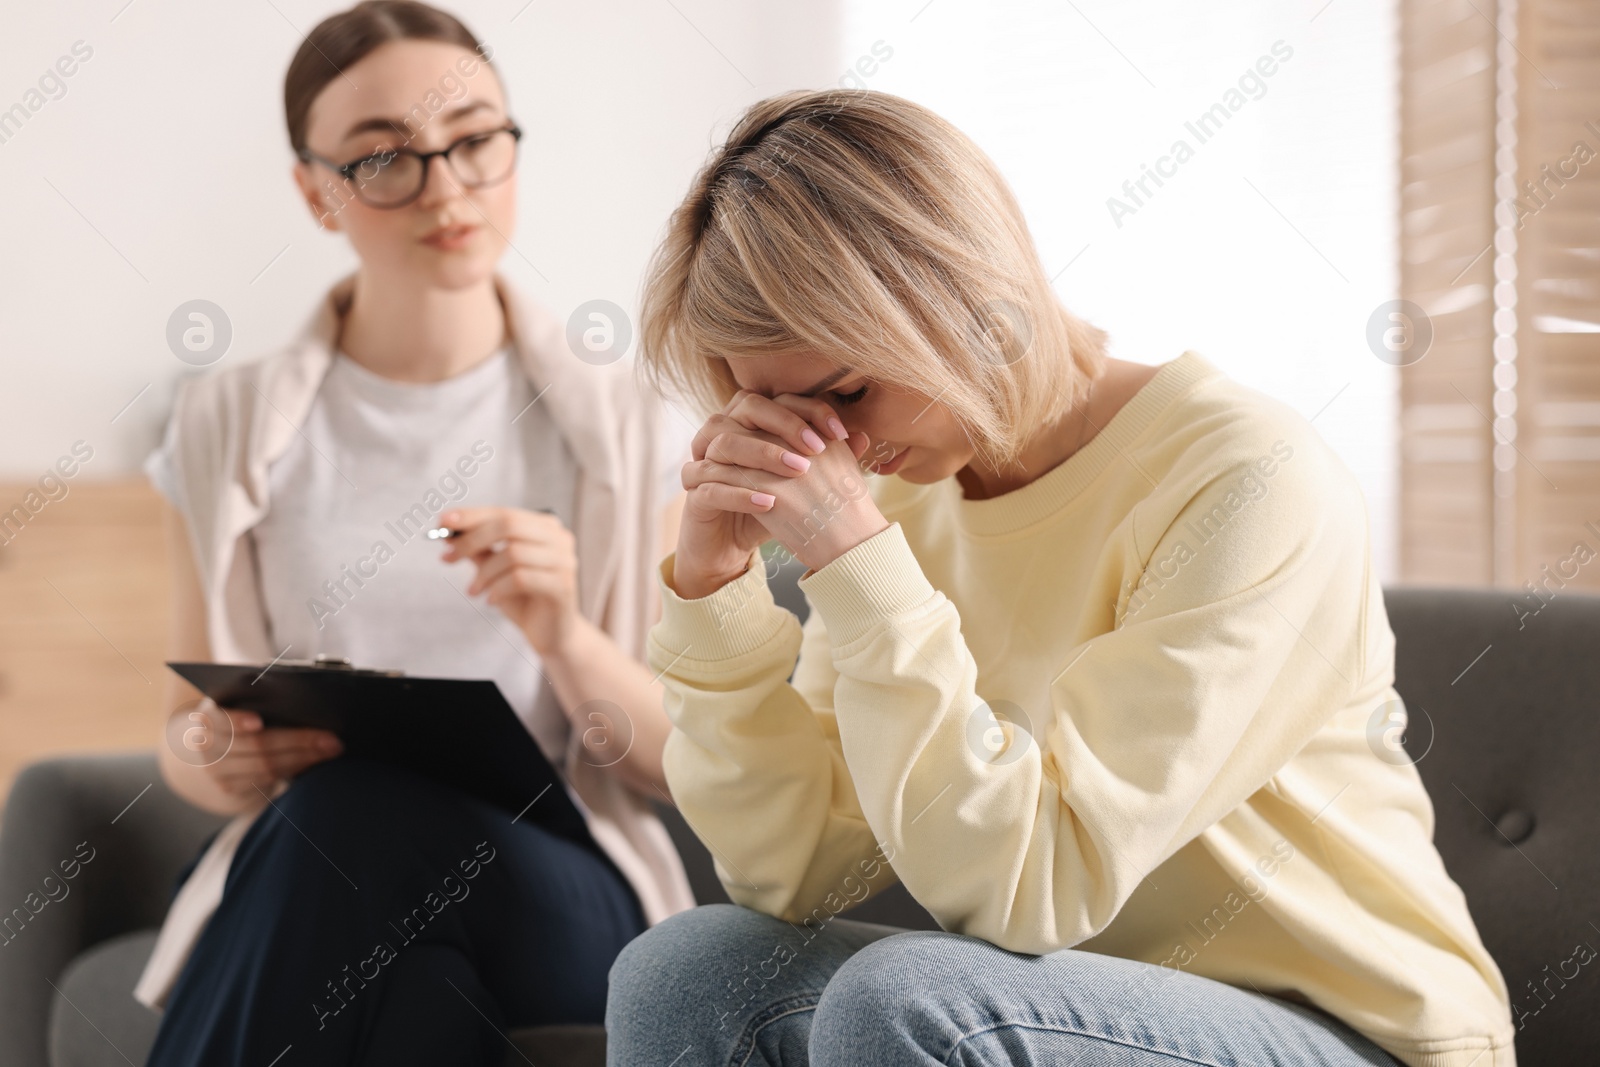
<point x="376" y="458"/>
<point x="345" y="565"/>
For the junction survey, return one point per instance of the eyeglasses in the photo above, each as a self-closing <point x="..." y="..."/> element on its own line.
<point x="394" y="177"/>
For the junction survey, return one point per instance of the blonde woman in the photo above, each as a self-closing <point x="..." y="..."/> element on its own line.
<point x="1091" y="657"/>
<point x="363" y="914"/>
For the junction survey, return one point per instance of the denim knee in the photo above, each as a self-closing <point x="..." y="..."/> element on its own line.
<point x="888" y="998"/>
<point x="687" y="965"/>
<point x="688" y="952"/>
<point x="889" y="976"/>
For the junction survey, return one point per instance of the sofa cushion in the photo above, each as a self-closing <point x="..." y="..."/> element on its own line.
<point x="94" y="1019"/>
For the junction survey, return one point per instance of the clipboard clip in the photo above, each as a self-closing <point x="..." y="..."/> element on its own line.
<point x="325" y="662"/>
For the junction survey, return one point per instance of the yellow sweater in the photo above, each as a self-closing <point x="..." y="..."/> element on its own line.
<point x="1127" y="708"/>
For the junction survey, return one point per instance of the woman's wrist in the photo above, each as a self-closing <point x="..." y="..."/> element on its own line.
<point x="570" y="642"/>
<point x="827" y="549"/>
<point x="691" y="583"/>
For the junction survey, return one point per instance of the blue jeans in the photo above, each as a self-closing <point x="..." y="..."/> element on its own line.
<point x="724" y="985"/>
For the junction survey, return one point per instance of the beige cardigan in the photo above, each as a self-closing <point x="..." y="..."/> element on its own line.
<point x="231" y="425"/>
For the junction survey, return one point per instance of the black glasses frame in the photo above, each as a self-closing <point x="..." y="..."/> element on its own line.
<point x="348" y="170"/>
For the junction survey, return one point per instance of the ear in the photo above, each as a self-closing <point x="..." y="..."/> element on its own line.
<point x="326" y="218"/>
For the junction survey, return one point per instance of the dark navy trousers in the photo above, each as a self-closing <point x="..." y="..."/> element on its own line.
<point x="372" y="916"/>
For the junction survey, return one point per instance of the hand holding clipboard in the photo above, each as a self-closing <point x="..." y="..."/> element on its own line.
<point x="457" y="732"/>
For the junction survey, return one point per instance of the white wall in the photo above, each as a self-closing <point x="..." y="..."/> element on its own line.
<point x="162" y="175"/>
<point x="1073" y="99"/>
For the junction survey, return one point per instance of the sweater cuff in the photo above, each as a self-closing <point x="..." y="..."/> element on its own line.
<point x="732" y="621"/>
<point x="876" y="580"/>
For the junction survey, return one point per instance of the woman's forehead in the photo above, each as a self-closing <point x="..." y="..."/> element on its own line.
<point x="405" y="87"/>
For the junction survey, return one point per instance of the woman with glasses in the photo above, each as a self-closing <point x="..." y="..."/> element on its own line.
<point x="352" y="912"/>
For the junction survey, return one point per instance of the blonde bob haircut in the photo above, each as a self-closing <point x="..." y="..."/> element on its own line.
<point x="863" y="228"/>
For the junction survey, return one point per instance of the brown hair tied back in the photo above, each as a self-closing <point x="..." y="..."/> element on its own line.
<point x="344" y="39"/>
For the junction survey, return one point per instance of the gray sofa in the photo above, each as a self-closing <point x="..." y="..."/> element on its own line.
<point x="1505" y="741"/>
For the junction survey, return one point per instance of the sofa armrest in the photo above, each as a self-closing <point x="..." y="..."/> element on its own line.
<point x="90" y="848"/>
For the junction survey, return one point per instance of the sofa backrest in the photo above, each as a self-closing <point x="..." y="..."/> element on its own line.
<point x="1502" y="693"/>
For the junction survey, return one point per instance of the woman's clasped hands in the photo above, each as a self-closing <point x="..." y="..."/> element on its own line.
<point x="781" y="467"/>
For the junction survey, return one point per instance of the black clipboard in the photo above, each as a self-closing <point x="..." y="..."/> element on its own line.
<point x="458" y="732"/>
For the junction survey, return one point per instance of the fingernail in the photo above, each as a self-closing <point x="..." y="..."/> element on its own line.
<point x="331" y="744"/>
<point x="812" y="440"/>
<point x="763" y="500"/>
<point x="799" y="463"/>
<point x="838" y="429"/>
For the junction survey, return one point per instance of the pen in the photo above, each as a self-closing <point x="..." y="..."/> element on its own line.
<point x="445" y="533"/>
